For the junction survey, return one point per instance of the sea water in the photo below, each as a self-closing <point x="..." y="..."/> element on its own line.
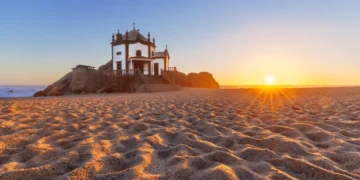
<point x="19" y="90"/>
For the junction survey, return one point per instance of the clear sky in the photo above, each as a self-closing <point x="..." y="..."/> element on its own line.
<point x="239" y="42"/>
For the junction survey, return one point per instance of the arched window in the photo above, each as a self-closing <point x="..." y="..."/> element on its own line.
<point x="138" y="53"/>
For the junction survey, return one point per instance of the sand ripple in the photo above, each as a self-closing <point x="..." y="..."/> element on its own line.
<point x="191" y="134"/>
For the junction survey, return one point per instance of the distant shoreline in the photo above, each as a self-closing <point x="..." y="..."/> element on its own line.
<point x="222" y="88"/>
<point x="5" y="85"/>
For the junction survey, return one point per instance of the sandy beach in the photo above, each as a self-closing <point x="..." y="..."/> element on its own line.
<point x="187" y="134"/>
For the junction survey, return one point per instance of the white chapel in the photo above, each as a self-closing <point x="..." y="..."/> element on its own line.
<point x="133" y="50"/>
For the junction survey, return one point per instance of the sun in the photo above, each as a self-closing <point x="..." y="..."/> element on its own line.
<point x="269" y="80"/>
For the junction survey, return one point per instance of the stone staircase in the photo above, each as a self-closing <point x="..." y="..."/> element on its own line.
<point x="157" y="80"/>
<point x="144" y="80"/>
<point x="164" y="87"/>
<point x="157" y="83"/>
<point x="167" y="78"/>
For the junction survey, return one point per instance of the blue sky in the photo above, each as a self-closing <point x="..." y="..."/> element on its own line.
<point x="239" y="42"/>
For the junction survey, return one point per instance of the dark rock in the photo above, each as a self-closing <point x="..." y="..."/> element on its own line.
<point x="198" y="80"/>
<point x="40" y="94"/>
<point x="181" y="79"/>
<point x="82" y="81"/>
<point x="59" y="88"/>
<point x="202" y="80"/>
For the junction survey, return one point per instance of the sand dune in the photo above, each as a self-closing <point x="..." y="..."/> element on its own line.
<point x="190" y="134"/>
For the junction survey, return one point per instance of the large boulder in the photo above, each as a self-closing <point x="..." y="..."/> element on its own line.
<point x="181" y="79"/>
<point x="202" y="80"/>
<point x="59" y="88"/>
<point x="198" y="80"/>
<point x="83" y="83"/>
<point x="40" y="94"/>
<point x="83" y="80"/>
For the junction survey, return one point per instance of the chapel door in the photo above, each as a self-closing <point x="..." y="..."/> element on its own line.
<point x="139" y="66"/>
<point x="156" y="69"/>
<point x="118" y="65"/>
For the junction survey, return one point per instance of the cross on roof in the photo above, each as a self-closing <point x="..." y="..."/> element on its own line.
<point x="133" y="25"/>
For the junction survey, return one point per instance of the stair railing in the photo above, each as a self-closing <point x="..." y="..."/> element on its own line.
<point x="167" y="77"/>
<point x="144" y="79"/>
<point x="141" y="76"/>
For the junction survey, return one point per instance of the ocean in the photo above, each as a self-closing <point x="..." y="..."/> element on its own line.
<point x="19" y="90"/>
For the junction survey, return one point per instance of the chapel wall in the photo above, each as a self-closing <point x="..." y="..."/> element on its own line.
<point x="138" y="46"/>
<point x="121" y="57"/>
<point x="161" y="65"/>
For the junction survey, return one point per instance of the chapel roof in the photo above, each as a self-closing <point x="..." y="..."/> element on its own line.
<point x="159" y="54"/>
<point x="132" y="35"/>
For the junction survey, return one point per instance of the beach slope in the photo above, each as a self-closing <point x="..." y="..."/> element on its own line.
<point x="188" y="134"/>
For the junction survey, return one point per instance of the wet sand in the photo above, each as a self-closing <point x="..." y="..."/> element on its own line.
<point x="188" y="134"/>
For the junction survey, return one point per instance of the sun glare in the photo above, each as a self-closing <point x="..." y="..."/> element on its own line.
<point x="269" y="80"/>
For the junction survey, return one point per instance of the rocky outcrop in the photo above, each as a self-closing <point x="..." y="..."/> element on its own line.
<point x="40" y="93"/>
<point x="181" y="79"/>
<point x="202" y="80"/>
<point x="82" y="82"/>
<point x="60" y="87"/>
<point x="198" y="80"/>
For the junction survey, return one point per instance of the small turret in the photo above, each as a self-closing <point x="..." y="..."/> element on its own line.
<point x="153" y="40"/>
<point x="113" y="37"/>
<point x="138" y="34"/>
<point x="118" y="36"/>
<point x="166" y="50"/>
<point x="149" y="36"/>
<point x="127" y="35"/>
